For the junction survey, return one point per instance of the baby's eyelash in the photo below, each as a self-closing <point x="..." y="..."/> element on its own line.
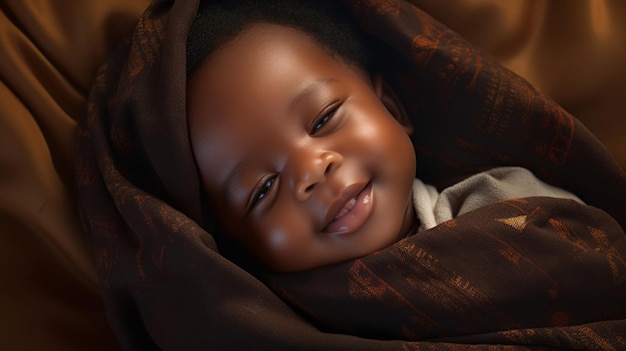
<point x="262" y="189"/>
<point x="327" y="116"/>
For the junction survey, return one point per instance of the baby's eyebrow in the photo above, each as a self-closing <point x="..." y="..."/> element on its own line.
<point x="309" y="90"/>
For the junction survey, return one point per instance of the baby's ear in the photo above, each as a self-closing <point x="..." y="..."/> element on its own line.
<point x="387" y="95"/>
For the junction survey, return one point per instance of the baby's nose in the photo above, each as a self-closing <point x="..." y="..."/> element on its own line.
<point x="314" y="171"/>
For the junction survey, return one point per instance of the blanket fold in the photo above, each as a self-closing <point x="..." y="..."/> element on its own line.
<point x="509" y="266"/>
<point x="533" y="273"/>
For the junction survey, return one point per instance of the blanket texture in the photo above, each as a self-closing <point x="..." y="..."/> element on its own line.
<point x="534" y="273"/>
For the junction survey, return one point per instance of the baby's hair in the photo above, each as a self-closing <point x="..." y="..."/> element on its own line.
<point x="219" y="21"/>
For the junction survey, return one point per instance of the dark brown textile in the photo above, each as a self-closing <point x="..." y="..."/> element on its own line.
<point x="526" y="274"/>
<point x="534" y="271"/>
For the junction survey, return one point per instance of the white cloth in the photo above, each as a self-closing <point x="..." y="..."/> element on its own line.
<point x="497" y="184"/>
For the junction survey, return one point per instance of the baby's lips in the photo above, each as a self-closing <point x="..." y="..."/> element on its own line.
<point x="355" y="211"/>
<point x="348" y="193"/>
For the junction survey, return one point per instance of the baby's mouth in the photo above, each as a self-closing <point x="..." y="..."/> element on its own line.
<point x="346" y="208"/>
<point x="351" y="210"/>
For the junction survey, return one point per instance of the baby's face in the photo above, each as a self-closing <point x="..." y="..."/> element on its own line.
<point x="303" y="162"/>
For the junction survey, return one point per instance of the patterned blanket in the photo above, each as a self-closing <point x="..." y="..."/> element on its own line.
<point x="533" y="273"/>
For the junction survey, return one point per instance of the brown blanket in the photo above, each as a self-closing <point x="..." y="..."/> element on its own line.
<point x="535" y="273"/>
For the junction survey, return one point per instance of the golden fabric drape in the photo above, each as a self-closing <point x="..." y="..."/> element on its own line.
<point x="49" y="52"/>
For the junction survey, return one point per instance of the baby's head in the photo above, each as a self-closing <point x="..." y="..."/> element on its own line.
<point x="304" y="153"/>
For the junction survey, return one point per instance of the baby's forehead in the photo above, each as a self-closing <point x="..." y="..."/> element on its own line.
<point x="258" y="64"/>
<point x="258" y="38"/>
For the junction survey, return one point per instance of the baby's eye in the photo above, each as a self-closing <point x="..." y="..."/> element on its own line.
<point x="262" y="189"/>
<point x="321" y="122"/>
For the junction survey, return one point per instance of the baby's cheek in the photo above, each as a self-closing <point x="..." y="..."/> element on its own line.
<point x="287" y="248"/>
<point x="277" y="240"/>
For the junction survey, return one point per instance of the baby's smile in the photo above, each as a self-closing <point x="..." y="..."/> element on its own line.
<point x="352" y="213"/>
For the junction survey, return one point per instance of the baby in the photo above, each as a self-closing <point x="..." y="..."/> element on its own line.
<point x="303" y="148"/>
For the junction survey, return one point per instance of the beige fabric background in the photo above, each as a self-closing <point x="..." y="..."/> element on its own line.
<point x="574" y="50"/>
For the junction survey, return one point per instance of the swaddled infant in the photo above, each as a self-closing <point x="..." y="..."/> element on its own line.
<point x="302" y="146"/>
